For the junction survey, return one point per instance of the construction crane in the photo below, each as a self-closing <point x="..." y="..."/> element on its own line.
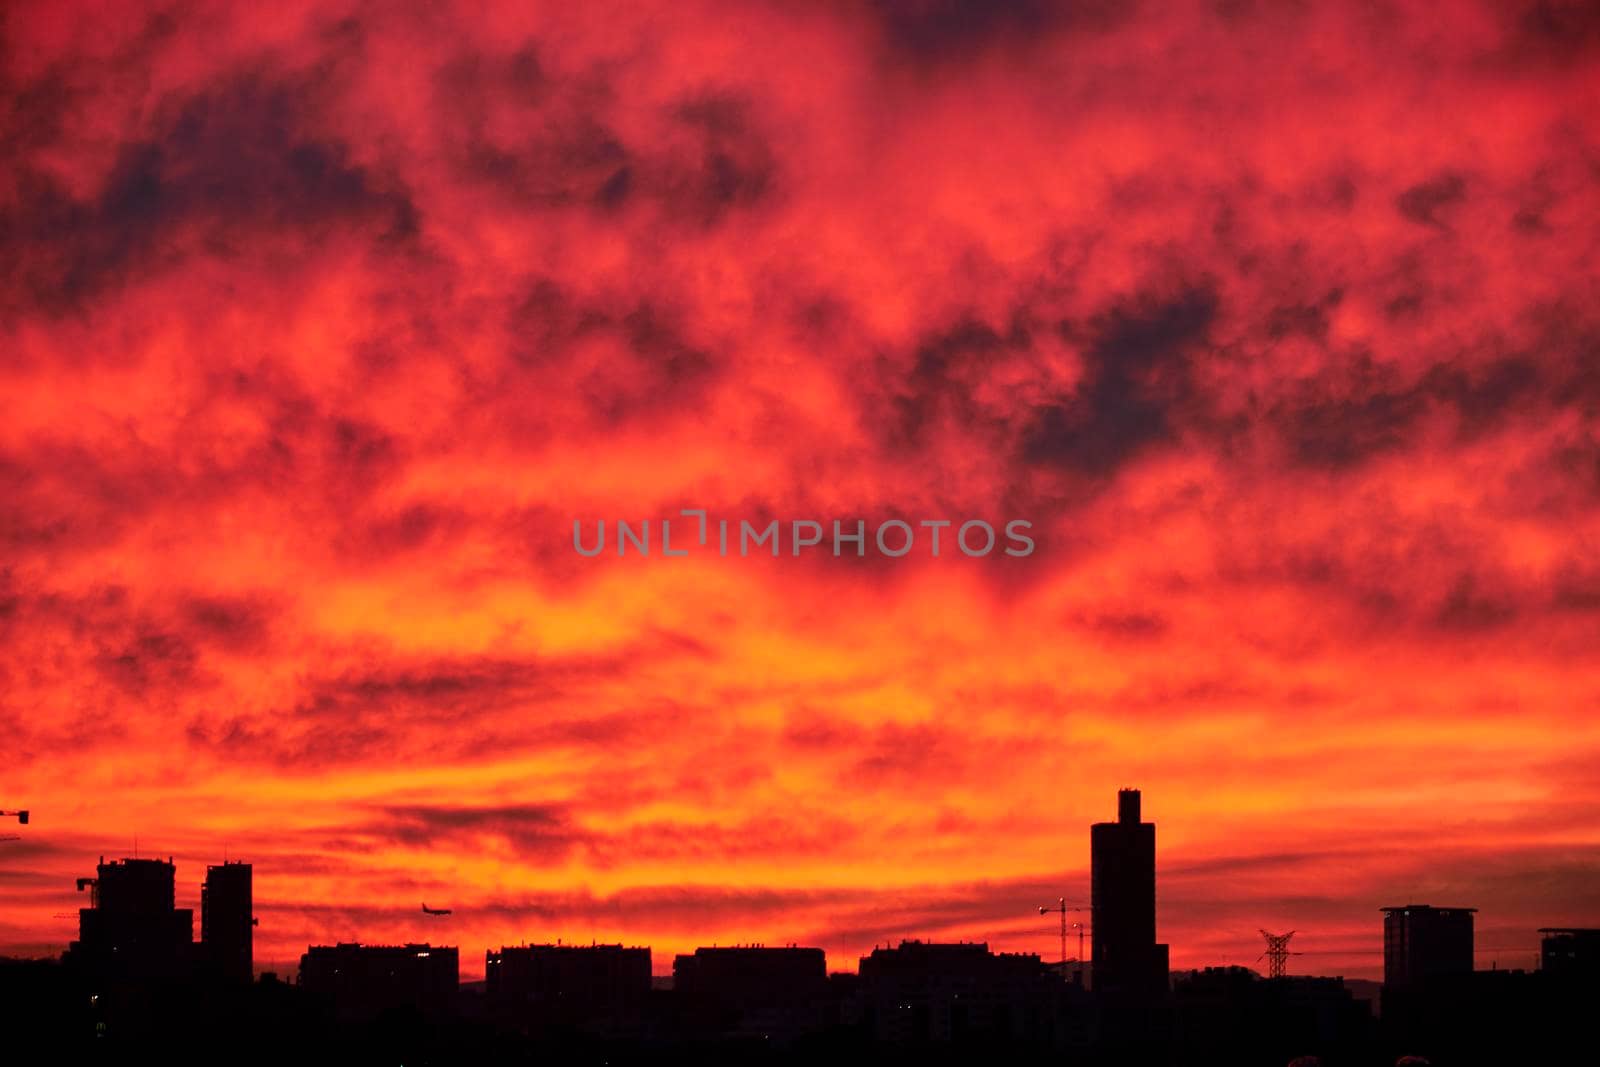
<point x="22" y="816"/>
<point x="1277" y="953"/>
<point x="1063" y="907"/>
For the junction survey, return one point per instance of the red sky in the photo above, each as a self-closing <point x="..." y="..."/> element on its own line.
<point x="319" y="325"/>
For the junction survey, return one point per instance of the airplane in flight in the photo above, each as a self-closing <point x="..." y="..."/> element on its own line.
<point x="434" y="911"/>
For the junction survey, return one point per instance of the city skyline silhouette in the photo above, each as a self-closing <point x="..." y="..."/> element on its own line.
<point x="1012" y="932"/>
<point x="1128" y="863"/>
<point x="136" y="968"/>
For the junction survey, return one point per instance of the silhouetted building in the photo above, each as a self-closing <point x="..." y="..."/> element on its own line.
<point x="753" y="989"/>
<point x="567" y="983"/>
<point x="920" y="993"/>
<point x="1570" y="952"/>
<point x="1127" y="958"/>
<point x="1422" y="943"/>
<point x="1233" y="1015"/>
<point x="1493" y="1017"/>
<point x="227" y="921"/>
<point x="361" y="982"/>
<point x="131" y="929"/>
<point x="42" y="998"/>
<point x="748" y="973"/>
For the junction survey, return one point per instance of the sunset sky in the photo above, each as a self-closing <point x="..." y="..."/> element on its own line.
<point x="321" y="323"/>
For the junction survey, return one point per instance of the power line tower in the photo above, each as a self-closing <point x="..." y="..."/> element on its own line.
<point x="1277" y="953"/>
<point x="1063" y="907"/>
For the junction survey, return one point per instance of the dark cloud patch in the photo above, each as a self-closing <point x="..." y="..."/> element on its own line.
<point x="624" y="363"/>
<point x="1361" y="409"/>
<point x="1544" y="32"/>
<point x="69" y="497"/>
<point x="304" y="445"/>
<point x="413" y="527"/>
<point x="537" y="140"/>
<point x="218" y="170"/>
<point x="544" y="319"/>
<point x="1308" y="320"/>
<point x="63" y="495"/>
<point x="118" y="651"/>
<point x="916" y="403"/>
<point x="550" y="142"/>
<point x="791" y="834"/>
<point x="30" y="733"/>
<point x="244" y="740"/>
<point x="818" y="732"/>
<point x="905" y="754"/>
<point x="1136" y="377"/>
<point x="1557" y="882"/>
<point x="551" y="832"/>
<point x="150" y="658"/>
<point x="1342" y="419"/>
<point x="685" y="907"/>
<point x="460" y="708"/>
<point x="1576" y="589"/>
<point x="1572" y="466"/>
<point x="940" y="31"/>
<point x="736" y="166"/>
<point x="236" y="623"/>
<point x="666" y="369"/>
<point x="1427" y="580"/>
<point x="1426" y="202"/>
<point x="1248" y="865"/>
<point x="352" y="457"/>
<point x="1470" y="607"/>
<point x="1124" y="625"/>
<point x="438" y="688"/>
<point x="33" y="113"/>
<point x="534" y="831"/>
<point x="1483" y="398"/>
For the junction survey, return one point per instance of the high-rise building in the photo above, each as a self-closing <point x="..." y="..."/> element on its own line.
<point x="920" y="993"/>
<point x="1422" y="943"/>
<point x="751" y="973"/>
<point x="131" y="928"/>
<point x="570" y="982"/>
<point x="752" y="990"/>
<point x="1570" y="951"/>
<point x="362" y="982"/>
<point x="1127" y="958"/>
<point x="226" y="921"/>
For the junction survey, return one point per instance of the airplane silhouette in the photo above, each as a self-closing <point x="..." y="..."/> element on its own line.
<point x="434" y="911"/>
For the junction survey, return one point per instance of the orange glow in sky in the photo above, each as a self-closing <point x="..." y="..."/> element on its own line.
<point x="320" y="324"/>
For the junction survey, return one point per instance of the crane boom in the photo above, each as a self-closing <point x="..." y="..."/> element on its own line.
<point x="1063" y="907"/>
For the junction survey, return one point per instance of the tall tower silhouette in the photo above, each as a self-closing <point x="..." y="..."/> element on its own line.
<point x="226" y="922"/>
<point x="1127" y="959"/>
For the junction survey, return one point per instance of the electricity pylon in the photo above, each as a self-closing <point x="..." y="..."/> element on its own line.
<point x="1277" y="953"/>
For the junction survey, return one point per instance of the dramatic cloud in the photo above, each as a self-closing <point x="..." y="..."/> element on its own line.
<point x="321" y="324"/>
